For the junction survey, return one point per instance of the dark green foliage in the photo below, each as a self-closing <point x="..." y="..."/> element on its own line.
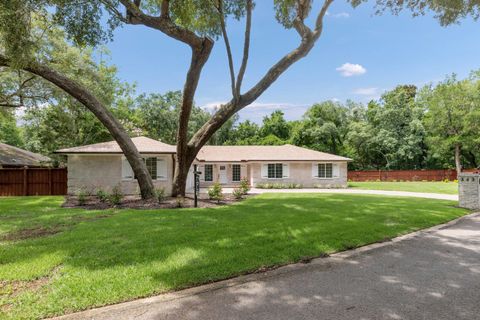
<point x="116" y="196"/>
<point x="102" y="195"/>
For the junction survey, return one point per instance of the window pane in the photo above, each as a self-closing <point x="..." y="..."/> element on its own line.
<point x="271" y="170"/>
<point x="235" y="172"/>
<point x="321" y="170"/>
<point x="208" y="172"/>
<point x="328" y="170"/>
<point x="278" y="170"/>
<point x="151" y="164"/>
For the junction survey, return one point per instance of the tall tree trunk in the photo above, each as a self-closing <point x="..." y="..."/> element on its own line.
<point x="458" y="162"/>
<point x="117" y="131"/>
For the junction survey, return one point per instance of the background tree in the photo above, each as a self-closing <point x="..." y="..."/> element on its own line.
<point x="34" y="50"/>
<point x="453" y="112"/>
<point x="10" y="133"/>
<point x="324" y="127"/>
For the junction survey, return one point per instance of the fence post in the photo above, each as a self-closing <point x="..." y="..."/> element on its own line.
<point x="50" y="181"/>
<point x="25" y="182"/>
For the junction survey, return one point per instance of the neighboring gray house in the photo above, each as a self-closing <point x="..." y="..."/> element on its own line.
<point x="103" y="165"/>
<point x="13" y="157"/>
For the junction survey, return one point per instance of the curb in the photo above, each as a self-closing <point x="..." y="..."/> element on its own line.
<point x="334" y="258"/>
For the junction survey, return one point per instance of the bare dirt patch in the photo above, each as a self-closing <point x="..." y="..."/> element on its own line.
<point x="29" y="233"/>
<point x="135" y="202"/>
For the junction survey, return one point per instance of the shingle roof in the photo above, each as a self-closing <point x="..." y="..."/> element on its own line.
<point x="143" y="144"/>
<point x="217" y="153"/>
<point x="13" y="156"/>
<point x="285" y="152"/>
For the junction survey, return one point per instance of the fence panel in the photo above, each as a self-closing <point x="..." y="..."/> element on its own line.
<point x="33" y="181"/>
<point x="402" y="175"/>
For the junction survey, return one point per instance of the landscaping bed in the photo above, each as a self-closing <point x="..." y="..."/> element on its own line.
<point x="135" y="202"/>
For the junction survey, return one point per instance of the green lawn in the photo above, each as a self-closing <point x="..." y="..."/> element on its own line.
<point x="104" y="257"/>
<point x="413" y="186"/>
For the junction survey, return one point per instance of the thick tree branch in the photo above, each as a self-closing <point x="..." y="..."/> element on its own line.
<point x="227" y="110"/>
<point x="228" y="48"/>
<point x="246" y="48"/>
<point x="162" y="23"/>
<point x="80" y="93"/>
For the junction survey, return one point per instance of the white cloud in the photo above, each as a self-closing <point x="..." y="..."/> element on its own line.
<point x="351" y="69"/>
<point x="371" y="92"/>
<point x="345" y="15"/>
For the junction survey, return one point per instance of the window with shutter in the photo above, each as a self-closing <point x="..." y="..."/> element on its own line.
<point x="208" y="175"/>
<point x="275" y="171"/>
<point x="325" y="170"/>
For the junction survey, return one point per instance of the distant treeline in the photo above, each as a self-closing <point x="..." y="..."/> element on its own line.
<point x="437" y="126"/>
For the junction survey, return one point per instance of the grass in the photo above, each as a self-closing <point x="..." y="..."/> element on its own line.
<point x="413" y="186"/>
<point x="104" y="257"/>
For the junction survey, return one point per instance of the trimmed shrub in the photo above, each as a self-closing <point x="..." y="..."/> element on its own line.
<point x="102" y="195"/>
<point x="244" y="186"/>
<point x="215" y="192"/>
<point x="160" y="194"/>
<point x="82" y="196"/>
<point x="238" y="193"/>
<point x="117" y="196"/>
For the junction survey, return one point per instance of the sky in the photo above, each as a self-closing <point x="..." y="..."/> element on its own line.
<point x="359" y="56"/>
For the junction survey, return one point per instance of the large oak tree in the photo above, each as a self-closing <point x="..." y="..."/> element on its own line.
<point x="196" y="23"/>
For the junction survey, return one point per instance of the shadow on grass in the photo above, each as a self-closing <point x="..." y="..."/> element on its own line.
<point x="136" y="253"/>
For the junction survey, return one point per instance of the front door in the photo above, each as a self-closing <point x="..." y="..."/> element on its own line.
<point x="222" y="170"/>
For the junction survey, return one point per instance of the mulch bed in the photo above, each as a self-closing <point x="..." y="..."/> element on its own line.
<point x="135" y="202"/>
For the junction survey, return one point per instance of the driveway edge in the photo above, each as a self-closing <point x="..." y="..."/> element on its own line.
<point x="239" y="280"/>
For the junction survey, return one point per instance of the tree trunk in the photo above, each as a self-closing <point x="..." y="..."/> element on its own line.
<point x="117" y="131"/>
<point x="458" y="162"/>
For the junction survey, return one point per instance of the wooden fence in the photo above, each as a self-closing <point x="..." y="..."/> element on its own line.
<point x="33" y="181"/>
<point x="402" y="175"/>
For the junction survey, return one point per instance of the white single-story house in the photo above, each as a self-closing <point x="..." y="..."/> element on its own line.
<point x="103" y="165"/>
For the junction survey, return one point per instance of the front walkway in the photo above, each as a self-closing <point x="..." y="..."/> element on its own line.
<point x="439" y="196"/>
<point x="432" y="274"/>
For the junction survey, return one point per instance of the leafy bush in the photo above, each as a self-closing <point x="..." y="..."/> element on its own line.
<point x="238" y="193"/>
<point x="215" y="192"/>
<point x="117" y="196"/>
<point x="244" y="186"/>
<point x="102" y="195"/>
<point x="160" y="194"/>
<point x="82" y="196"/>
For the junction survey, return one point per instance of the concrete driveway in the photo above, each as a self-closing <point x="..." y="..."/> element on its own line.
<point x="432" y="274"/>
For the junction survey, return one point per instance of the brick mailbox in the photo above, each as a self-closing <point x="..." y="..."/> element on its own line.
<point x="469" y="190"/>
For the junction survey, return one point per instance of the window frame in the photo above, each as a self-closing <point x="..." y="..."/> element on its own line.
<point x="149" y="166"/>
<point x="205" y="172"/>
<point x="236" y="165"/>
<point x="276" y="173"/>
<point x="325" y="164"/>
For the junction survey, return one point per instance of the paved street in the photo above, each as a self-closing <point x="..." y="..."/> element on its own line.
<point x="429" y="275"/>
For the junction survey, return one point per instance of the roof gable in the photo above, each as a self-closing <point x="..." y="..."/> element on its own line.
<point x="143" y="144"/>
